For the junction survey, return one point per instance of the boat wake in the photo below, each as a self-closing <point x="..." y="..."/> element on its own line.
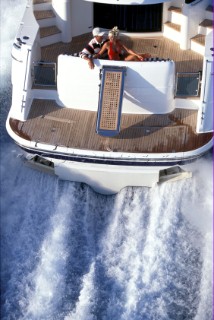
<point x="69" y="253"/>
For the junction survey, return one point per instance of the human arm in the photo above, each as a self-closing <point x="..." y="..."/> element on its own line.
<point x="87" y="53"/>
<point x="90" y="61"/>
<point x="102" y="51"/>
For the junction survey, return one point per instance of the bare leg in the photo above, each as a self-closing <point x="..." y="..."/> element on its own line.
<point x="131" y="57"/>
<point x="145" y="55"/>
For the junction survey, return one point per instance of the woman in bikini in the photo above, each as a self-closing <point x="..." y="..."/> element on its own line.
<point x="117" y="50"/>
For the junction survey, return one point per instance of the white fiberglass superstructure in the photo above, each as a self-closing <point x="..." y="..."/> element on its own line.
<point x="124" y="123"/>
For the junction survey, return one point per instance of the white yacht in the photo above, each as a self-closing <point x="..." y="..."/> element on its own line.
<point x="123" y="123"/>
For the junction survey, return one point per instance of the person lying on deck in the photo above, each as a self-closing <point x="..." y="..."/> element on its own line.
<point x="117" y="50"/>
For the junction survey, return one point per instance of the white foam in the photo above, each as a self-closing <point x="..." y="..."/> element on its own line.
<point x="11" y="14"/>
<point x="197" y="205"/>
<point x="206" y="289"/>
<point x="48" y="278"/>
<point x="86" y="300"/>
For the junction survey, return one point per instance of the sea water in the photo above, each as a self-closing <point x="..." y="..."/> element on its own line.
<point x="69" y="253"/>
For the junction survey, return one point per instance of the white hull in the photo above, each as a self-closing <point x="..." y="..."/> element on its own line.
<point x="108" y="179"/>
<point x="161" y="130"/>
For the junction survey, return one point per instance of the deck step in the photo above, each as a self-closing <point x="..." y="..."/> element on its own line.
<point x="44" y="14"/>
<point x="205" y="26"/>
<point x="199" y="38"/>
<point x="207" y="23"/>
<point x="198" y="43"/>
<point x="40" y="5"/>
<point x="49" y="31"/>
<point x="41" y="1"/>
<point x="175" y="9"/>
<point x="172" y="31"/>
<point x="175" y="15"/>
<point x="45" y="18"/>
<point x="49" y="35"/>
<point x="173" y="26"/>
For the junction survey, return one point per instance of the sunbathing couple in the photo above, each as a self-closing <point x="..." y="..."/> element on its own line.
<point x="118" y="51"/>
<point x="115" y="48"/>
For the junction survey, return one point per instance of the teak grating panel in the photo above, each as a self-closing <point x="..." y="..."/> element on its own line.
<point x="110" y="100"/>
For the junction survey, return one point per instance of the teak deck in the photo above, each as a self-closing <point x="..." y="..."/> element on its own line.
<point x="186" y="60"/>
<point x="173" y="132"/>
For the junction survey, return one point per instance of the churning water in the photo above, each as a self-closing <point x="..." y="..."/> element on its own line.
<point x="68" y="253"/>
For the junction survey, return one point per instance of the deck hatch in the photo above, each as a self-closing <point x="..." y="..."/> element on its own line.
<point x="188" y="84"/>
<point x="110" y="100"/>
<point x="45" y="74"/>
